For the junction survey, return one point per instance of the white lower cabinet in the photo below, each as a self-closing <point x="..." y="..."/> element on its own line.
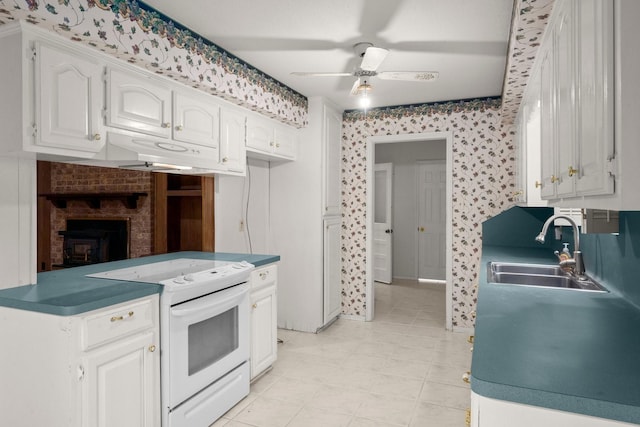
<point x="332" y="272"/>
<point x="119" y="380"/>
<point x="264" y="319"/>
<point x="100" y="368"/>
<point x="487" y="412"/>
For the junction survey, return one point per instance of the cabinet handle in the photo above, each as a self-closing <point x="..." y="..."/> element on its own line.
<point x="572" y="171"/>
<point x="467" y="417"/>
<point x="471" y="338"/>
<point x="554" y="179"/>
<point x="80" y="372"/>
<point x="255" y="305"/>
<point x="538" y="184"/>
<point x="264" y="275"/>
<point x="166" y="125"/>
<point x="225" y="160"/>
<point x="466" y="377"/>
<point x="421" y="229"/>
<point x="97" y="137"/>
<point x="118" y="318"/>
<point x="271" y="144"/>
<point x="152" y="348"/>
<point x="277" y="145"/>
<point x="179" y="127"/>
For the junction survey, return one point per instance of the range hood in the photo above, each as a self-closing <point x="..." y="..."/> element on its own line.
<point x="132" y="151"/>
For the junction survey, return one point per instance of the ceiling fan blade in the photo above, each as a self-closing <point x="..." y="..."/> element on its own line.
<point x="373" y="57"/>
<point x="423" y="76"/>
<point x="355" y="87"/>
<point x="307" y="74"/>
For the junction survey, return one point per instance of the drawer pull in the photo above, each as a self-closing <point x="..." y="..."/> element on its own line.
<point x="264" y="275"/>
<point x="255" y="305"/>
<point x="466" y="377"/>
<point x="152" y="348"/>
<point x="118" y="318"/>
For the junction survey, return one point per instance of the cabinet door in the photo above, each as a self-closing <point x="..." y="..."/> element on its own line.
<point x="286" y="142"/>
<point x="332" y="271"/>
<point x="332" y="138"/>
<point x="547" y="120"/>
<point x="488" y="412"/>
<point x="138" y="103"/>
<point x="264" y="339"/>
<point x="232" y="141"/>
<point x="196" y="121"/>
<point x="594" y="106"/>
<point x="69" y="99"/>
<point x="564" y="60"/>
<point x="260" y="135"/>
<point x="120" y="384"/>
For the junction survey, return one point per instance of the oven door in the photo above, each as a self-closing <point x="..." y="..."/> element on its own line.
<point x="208" y="337"/>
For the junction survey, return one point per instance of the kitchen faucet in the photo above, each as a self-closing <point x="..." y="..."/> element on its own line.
<point x="576" y="264"/>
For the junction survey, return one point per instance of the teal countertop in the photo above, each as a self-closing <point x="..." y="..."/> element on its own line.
<point x="68" y="291"/>
<point x="556" y="348"/>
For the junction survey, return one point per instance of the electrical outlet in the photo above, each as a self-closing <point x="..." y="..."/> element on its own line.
<point x="241" y="228"/>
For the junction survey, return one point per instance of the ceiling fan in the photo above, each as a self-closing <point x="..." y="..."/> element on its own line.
<point x="372" y="58"/>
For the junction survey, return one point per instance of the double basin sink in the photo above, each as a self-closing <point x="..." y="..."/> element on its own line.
<point x="549" y="276"/>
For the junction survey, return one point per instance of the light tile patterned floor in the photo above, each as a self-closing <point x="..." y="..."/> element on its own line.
<point x="402" y="369"/>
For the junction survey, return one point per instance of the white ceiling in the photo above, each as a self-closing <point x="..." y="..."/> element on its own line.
<point x="464" y="40"/>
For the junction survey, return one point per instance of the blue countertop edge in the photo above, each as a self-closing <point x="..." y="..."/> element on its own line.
<point x="535" y="397"/>
<point x="68" y="292"/>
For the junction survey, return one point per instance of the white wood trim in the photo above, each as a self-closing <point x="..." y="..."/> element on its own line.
<point x="370" y="153"/>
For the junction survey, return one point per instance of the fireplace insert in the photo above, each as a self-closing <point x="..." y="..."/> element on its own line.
<point x="91" y="241"/>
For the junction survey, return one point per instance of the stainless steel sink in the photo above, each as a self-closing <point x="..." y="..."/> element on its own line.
<point x="508" y="267"/>
<point x="539" y="275"/>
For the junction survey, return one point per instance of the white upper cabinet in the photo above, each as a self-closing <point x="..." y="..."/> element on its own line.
<point x="195" y="120"/>
<point x="582" y="104"/>
<point x="68" y="100"/>
<point x="331" y="140"/>
<point x="270" y="140"/>
<point x="594" y="106"/>
<point x="232" y="140"/>
<point x="137" y="103"/>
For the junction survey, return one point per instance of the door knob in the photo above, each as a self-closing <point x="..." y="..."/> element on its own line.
<point x="388" y="231"/>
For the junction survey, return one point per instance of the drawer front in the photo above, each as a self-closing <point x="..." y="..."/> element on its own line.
<point x="263" y="276"/>
<point x="116" y="322"/>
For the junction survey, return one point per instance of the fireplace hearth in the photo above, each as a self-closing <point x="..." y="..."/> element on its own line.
<point x="92" y="241"/>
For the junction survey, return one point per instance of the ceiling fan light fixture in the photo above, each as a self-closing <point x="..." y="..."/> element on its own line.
<point x="363" y="90"/>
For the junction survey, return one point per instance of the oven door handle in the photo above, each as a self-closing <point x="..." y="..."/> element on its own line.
<point x="205" y="304"/>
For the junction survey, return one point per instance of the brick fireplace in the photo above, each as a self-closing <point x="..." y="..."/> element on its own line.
<point x="69" y="178"/>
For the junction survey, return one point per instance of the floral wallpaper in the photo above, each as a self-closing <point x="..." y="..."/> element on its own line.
<point x="483" y="182"/>
<point x="529" y="22"/>
<point x="483" y="164"/>
<point x="137" y="34"/>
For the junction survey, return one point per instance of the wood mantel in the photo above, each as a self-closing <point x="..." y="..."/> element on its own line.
<point x="59" y="200"/>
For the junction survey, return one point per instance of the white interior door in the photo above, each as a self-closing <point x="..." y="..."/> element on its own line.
<point x="382" y="230"/>
<point x="432" y="176"/>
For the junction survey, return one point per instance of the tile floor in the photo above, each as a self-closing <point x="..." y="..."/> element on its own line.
<point x="402" y="369"/>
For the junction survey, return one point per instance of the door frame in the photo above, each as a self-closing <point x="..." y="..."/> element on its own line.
<point x="370" y="150"/>
<point x="388" y="166"/>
